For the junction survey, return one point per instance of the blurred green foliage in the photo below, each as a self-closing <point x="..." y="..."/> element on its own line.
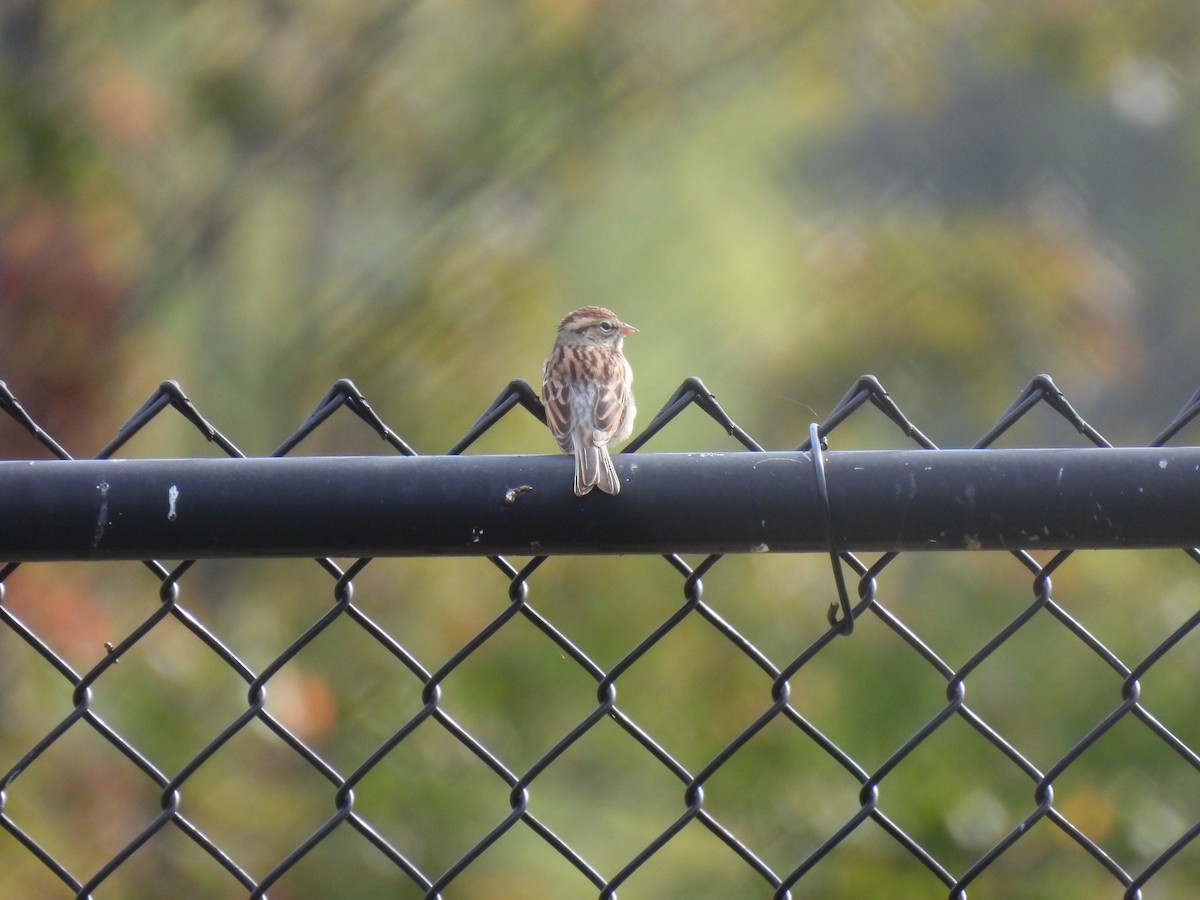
<point x="258" y="198"/>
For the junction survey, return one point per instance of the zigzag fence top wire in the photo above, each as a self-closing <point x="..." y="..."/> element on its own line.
<point x="778" y="804"/>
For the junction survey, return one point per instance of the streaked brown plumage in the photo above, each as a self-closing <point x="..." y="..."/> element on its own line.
<point x="586" y="389"/>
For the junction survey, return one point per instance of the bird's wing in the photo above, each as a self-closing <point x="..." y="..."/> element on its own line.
<point x="557" y="403"/>
<point x="612" y="395"/>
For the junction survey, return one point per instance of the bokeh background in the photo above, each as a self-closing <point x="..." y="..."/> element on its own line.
<point x="258" y="198"/>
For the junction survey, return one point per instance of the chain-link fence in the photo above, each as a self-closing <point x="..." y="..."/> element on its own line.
<point x="913" y="725"/>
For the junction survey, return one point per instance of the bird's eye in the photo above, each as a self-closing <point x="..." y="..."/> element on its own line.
<point x="606" y="327"/>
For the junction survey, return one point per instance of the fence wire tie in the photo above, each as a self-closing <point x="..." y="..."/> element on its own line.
<point x="846" y="624"/>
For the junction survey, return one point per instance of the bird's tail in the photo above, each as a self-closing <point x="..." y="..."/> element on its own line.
<point x="594" y="468"/>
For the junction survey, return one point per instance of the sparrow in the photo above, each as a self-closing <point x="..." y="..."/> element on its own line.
<point x="586" y="390"/>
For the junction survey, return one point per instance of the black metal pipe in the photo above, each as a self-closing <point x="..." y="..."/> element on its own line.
<point x="670" y="502"/>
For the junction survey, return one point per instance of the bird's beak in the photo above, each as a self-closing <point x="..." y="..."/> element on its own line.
<point x="627" y="329"/>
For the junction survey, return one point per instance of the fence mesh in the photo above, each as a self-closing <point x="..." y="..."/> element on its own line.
<point x="709" y="729"/>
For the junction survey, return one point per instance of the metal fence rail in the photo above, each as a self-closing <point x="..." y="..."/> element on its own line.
<point x="838" y="502"/>
<point x="692" y="503"/>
